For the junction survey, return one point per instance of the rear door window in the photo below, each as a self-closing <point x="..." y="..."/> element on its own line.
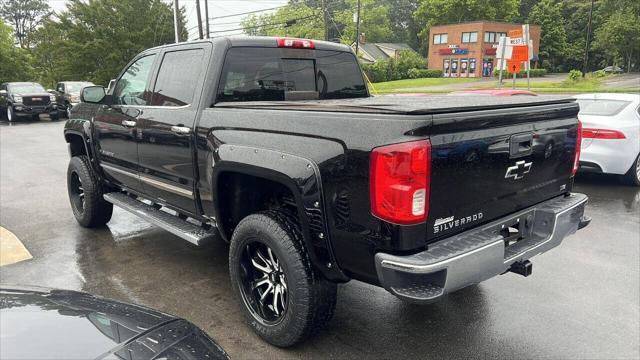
<point x="177" y="77"/>
<point x="268" y="74"/>
<point x="600" y="107"/>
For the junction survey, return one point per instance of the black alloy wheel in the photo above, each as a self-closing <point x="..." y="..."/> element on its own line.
<point x="283" y="297"/>
<point x="76" y="193"/>
<point x="263" y="283"/>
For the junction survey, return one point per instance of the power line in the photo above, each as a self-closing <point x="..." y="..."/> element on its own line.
<point x="268" y="25"/>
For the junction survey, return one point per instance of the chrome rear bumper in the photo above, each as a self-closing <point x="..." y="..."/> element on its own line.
<point x="481" y="253"/>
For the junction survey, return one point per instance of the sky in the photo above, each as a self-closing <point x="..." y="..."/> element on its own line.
<point x="216" y="8"/>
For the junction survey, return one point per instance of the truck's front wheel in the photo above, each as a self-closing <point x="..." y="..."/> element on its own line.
<point x="85" y="194"/>
<point x="282" y="296"/>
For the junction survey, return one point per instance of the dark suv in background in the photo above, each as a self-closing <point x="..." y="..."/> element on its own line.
<point x="19" y="99"/>
<point x="68" y="94"/>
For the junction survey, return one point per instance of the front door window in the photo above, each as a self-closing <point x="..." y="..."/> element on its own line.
<point x="130" y="89"/>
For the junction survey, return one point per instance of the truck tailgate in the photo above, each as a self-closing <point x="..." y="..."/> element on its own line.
<point x="487" y="164"/>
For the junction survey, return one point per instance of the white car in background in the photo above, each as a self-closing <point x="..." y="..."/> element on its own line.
<point x="611" y="134"/>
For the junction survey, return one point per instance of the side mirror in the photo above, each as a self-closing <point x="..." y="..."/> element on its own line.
<point x="93" y="94"/>
<point x="3" y="92"/>
<point x="50" y="91"/>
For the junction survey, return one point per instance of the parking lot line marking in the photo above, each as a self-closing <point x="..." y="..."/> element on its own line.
<point x="11" y="248"/>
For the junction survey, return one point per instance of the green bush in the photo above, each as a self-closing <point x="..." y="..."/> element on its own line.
<point x="424" y="73"/>
<point x="599" y="74"/>
<point x="395" y="69"/>
<point x="522" y="74"/>
<point x="575" y="75"/>
<point x="377" y="72"/>
<point x="407" y="60"/>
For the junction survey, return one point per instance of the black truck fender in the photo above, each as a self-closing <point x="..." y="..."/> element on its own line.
<point x="298" y="174"/>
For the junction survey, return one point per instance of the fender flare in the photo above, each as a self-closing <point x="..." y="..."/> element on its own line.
<point x="302" y="177"/>
<point x="82" y="128"/>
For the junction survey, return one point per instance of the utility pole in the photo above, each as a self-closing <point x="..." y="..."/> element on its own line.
<point x="199" y="19"/>
<point x="206" y="16"/>
<point x="175" y="20"/>
<point x="585" y="67"/>
<point x="358" y="28"/>
<point x="326" y="20"/>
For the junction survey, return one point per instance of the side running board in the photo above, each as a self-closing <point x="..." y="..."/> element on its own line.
<point x="172" y="223"/>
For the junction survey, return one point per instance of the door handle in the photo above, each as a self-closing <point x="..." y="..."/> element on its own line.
<point x="181" y="130"/>
<point x="128" y="123"/>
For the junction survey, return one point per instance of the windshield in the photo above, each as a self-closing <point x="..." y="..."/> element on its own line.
<point x="601" y="107"/>
<point x="75" y="87"/>
<point x="259" y="74"/>
<point x="26" y="88"/>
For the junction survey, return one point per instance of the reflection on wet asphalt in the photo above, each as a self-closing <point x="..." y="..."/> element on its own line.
<point x="582" y="300"/>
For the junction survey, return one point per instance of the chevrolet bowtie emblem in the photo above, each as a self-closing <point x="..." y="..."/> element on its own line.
<point x="518" y="170"/>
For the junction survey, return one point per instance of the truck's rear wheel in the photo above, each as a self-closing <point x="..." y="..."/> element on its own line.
<point x="85" y="194"/>
<point x="282" y="296"/>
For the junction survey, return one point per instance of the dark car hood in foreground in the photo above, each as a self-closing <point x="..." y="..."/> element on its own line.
<point x="61" y="324"/>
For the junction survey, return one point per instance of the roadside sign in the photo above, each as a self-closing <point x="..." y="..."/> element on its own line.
<point x="514" y="66"/>
<point x="504" y="49"/>
<point x="520" y="53"/>
<point x="516" y="37"/>
<point x="517" y="33"/>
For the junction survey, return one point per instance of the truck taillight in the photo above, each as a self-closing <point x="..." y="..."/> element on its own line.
<point x="576" y="157"/>
<point x="589" y="133"/>
<point x="296" y="43"/>
<point x="400" y="182"/>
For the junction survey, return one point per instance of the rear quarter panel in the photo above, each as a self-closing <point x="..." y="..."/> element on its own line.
<point x="337" y="146"/>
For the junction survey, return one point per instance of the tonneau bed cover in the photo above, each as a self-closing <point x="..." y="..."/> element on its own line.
<point x="404" y="104"/>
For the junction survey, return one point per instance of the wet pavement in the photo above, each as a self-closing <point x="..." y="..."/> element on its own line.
<point x="582" y="300"/>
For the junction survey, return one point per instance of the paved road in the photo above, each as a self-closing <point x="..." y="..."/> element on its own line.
<point x="582" y="300"/>
<point x="623" y="81"/>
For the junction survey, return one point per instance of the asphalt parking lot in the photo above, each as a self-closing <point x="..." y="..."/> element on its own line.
<point x="582" y="301"/>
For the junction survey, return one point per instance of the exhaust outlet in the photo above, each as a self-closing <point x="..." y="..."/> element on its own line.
<point x="524" y="268"/>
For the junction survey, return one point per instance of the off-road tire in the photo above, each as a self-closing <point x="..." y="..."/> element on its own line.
<point x="95" y="210"/>
<point x="632" y="177"/>
<point x="311" y="298"/>
<point x="54" y="117"/>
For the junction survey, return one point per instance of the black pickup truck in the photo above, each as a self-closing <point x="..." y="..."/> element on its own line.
<point x="276" y="146"/>
<point x="26" y="99"/>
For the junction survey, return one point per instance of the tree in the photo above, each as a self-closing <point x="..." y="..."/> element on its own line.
<point x="374" y="21"/>
<point x="25" y="16"/>
<point x="94" y="40"/>
<point x="553" y="40"/>
<point x="14" y="61"/>
<point x="50" y="54"/>
<point x="297" y="19"/>
<point x="404" y="27"/>
<point x="618" y="39"/>
<point x="525" y="9"/>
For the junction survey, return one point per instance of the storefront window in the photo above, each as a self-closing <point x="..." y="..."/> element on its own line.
<point x="469" y="37"/>
<point x="445" y="67"/>
<point x="472" y="67"/>
<point x="487" y="67"/>
<point x="464" y="64"/>
<point x="454" y="68"/>
<point x="440" y="38"/>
